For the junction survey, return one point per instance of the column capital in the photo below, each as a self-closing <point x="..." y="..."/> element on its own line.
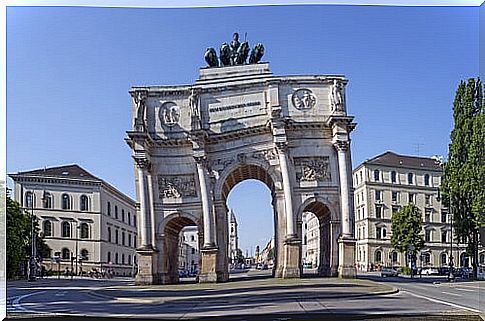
<point x="341" y="146"/>
<point x="282" y="147"/>
<point x="142" y="163"/>
<point x="200" y="160"/>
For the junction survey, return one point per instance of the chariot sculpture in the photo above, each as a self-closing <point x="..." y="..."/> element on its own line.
<point x="235" y="53"/>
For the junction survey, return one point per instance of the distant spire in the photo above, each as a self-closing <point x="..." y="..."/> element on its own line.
<point x="233" y="217"/>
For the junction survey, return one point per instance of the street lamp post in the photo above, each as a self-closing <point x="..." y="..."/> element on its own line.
<point x="77" y="240"/>
<point x="451" y="276"/>
<point x="32" y="264"/>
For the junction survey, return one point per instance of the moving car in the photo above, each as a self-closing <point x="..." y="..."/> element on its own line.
<point x="387" y="271"/>
<point x="430" y="271"/>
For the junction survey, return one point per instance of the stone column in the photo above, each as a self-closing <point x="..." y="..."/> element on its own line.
<point x="145" y="234"/>
<point x="290" y="220"/>
<point x="342" y="147"/>
<point x="206" y="204"/>
<point x="152" y="226"/>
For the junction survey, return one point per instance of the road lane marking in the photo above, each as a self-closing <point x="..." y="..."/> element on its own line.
<point x="443" y="302"/>
<point x="449" y="293"/>
<point x="467" y="290"/>
<point x="18" y="307"/>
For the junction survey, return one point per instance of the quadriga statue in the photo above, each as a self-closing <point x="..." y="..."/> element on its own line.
<point x="211" y="57"/>
<point x="256" y="54"/>
<point x="225" y="55"/>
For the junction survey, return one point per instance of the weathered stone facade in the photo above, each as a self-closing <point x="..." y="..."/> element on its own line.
<point x="192" y="144"/>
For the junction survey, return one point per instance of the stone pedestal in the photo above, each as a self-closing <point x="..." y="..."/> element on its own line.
<point x="346" y="264"/>
<point x="291" y="267"/>
<point x="208" y="267"/>
<point x="147" y="270"/>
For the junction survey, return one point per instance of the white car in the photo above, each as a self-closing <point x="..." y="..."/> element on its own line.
<point x="430" y="271"/>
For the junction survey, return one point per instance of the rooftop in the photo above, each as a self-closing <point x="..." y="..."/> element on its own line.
<point x="395" y="160"/>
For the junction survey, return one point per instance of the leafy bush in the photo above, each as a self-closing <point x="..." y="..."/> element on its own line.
<point x="405" y="270"/>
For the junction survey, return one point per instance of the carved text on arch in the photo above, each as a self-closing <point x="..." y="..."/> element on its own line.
<point x="312" y="168"/>
<point x="176" y="186"/>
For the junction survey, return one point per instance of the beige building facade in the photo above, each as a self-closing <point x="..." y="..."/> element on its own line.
<point x="189" y="249"/>
<point x="311" y="240"/>
<point x="382" y="186"/>
<point x="80" y="216"/>
<point x="191" y="144"/>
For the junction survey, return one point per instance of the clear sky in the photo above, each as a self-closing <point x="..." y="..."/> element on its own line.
<point x="69" y="71"/>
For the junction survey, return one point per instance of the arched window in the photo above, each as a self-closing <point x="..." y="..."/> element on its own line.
<point x="109" y="209"/>
<point x="426" y="258"/>
<point x="47" y="228"/>
<point x="394" y="257"/>
<point x="84" y="203"/>
<point x="384" y="233"/>
<point x="109" y="234"/>
<point x="84" y="255"/>
<point x="378" y="256"/>
<point x="66" y="204"/>
<point x="66" y="229"/>
<point x="122" y="258"/>
<point x="393" y="177"/>
<point x="66" y="254"/>
<point x="109" y="257"/>
<point x="47" y="200"/>
<point x="482" y="258"/>
<point x="410" y="178"/>
<point x="426" y="179"/>
<point x="29" y="199"/>
<point x="376" y="175"/>
<point x="443" y="259"/>
<point x="84" y="230"/>
<point x="116" y="237"/>
<point x="116" y="258"/>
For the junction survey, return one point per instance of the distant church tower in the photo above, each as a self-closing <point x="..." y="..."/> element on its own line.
<point x="233" y="238"/>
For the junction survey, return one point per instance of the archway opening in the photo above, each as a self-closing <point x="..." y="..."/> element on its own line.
<point x="181" y="245"/>
<point x="316" y="240"/>
<point x="248" y="193"/>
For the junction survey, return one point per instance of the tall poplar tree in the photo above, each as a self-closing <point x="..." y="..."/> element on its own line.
<point x="464" y="172"/>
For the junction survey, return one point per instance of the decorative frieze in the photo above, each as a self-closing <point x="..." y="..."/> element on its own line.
<point x="177" y="186"/>
<point x="267" y="155"/>
<point x="303" y="99"/>
<point x="312" y="168"/>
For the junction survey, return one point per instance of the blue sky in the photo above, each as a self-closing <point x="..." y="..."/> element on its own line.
<point x="69" y="71"/>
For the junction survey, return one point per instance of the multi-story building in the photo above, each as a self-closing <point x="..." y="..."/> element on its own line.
<point x="382" y="185"/>
<point x="189" y="249"/>
<point x="80" y="216"/>
<point x="311" y="240"/>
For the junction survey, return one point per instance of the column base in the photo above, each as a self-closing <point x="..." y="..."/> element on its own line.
<point x="208" y="272"/>
<point x="291" y="264"/>
<point x="346" y="267"/>
<point x="147" y="270"/>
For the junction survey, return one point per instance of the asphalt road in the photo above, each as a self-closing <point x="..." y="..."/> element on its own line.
<point x="248" y="294"/>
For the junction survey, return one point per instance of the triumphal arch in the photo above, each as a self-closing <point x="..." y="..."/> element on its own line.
<point x="193" y="143"/>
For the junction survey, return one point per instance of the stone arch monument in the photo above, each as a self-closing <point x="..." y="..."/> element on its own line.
<point x="193" y="143"/>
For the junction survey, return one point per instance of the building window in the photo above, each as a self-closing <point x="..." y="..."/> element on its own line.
<point x="134" y="220"/>
<point x="410" y="178"/>
<point x="129" y="259"/>
<point x="109" y="234"/>
<point x="116" y="211"/>
<point x="66" y="204"/>
<point x="29" y="199"/>
<point x="427" y="215"/>
<point x="378" y="233"/>
<point x="129" y="218"/>
<point x="84" y="255"/>
<point x="384" y="233"/>
<point x="444" y="259"/>
<point x="411" y="198"/>
<point x="122" y="238"/>
<point x="66" y="229"/>
<point x="47" y="228"/>
<point x="193" y="251"/>
<point x="378" y="211"/>
<point x="426" y="179"/>
<point x="84" y="230"/>
<point x="444" y="237"/>
<point x="109" y="257"/>
<point x="84" y="203"/>
<point x="426" y="257"/>
<point x="482" y="258"/>
<point x="444" y="214"/>
<point x="192" y="238"/>
<point x="427" y="236"/>
<point x="394" y="196"/>
<point x="378" y="256"/>
<point x="376" y="175"/>
<point x="394" y="257"/>
<point x="47" y="200"/>
<point x="116" y="258"/>
<point x="395" y="209"/>
<point x="129" y="240"/>
<point x="123" y="258"/>
<point x="427" y="200"/>
<point x="393" y="177"/>
<point x="378" y="195"/>
<point x="109" y="209"/>
<point x="116" y="237"/>
<point x="66" y="254"/>
<point x="122" y="215"/>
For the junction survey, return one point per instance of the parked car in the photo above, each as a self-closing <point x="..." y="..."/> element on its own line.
<point x="430" y="271"/>
<point x="387" y="271"/>
<point x="183" y="274"/>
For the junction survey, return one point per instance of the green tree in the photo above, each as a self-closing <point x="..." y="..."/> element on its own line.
<point x="19" y="225"/>
<point x="464" y="171"/>
<point x="407" y="227"/>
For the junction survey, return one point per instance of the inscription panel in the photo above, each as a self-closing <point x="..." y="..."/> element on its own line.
<point x="235" y="106"/>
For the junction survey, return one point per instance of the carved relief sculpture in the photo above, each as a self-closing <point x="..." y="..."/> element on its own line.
<point x="335" y="96"/>
<point x="170" y="113"/>
<point x="303" y="99"/>
<point x="176" y="186"/>
<point x="139" y="99"/>
<point x="194" y="105"/>
<point x="312" y="168"/>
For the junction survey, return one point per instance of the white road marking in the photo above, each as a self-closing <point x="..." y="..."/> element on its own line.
<point x="449" y="293"/>
<point x="18" y="307"/>
<point x="467" y="290"/>
<point x="444" y="302"/>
